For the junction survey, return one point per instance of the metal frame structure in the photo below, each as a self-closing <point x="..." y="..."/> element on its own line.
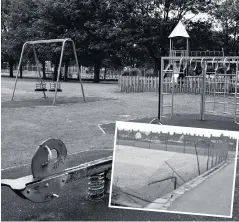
<point x="203" y="62"/>
<point x="33" y="43"/>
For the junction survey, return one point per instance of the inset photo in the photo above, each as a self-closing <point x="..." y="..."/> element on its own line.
<point x="174" y="169"/>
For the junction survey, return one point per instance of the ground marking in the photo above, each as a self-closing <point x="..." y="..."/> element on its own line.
<point x="99" y="125"/>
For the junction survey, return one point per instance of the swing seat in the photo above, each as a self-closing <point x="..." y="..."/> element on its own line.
<point x="53" y="87"/>
<point x="40" y="87"/>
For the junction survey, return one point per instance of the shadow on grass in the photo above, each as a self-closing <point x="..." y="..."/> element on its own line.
<point x="49" y="100"/>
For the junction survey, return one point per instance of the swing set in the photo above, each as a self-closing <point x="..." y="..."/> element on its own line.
<point x="41" y="84"/>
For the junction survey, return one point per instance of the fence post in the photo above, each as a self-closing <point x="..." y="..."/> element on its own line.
<point x="160" y="82"/>
<point x="130" y="84"/>
<point x="203" y="95"/>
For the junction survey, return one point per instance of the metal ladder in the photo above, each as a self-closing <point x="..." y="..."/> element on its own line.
<point x="175" y="70"/>
<point x="166" y="83"/>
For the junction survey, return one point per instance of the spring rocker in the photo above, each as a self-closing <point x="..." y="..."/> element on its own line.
<point x="49" y="175"/>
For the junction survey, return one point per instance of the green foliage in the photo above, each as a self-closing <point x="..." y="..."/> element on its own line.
<point x="202" y="37"/>
<point x="110" y="33"/>
<point x="227" y="14"/>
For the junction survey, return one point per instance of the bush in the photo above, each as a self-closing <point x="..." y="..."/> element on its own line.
<point x="132" y="72"/>
<point x="125" y="73"/>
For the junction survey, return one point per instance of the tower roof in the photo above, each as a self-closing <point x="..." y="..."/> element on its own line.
<point x="179" y="31"/>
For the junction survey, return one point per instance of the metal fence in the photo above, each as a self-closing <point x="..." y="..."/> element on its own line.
<point x="30" y="71"/>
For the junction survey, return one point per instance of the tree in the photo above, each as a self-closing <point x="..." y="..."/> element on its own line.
<point x="89" y="23"/>
<point x="226" y="13"/>
<point x="149" y="24"/>
<point x="202" y="36"/>
<point x="16" y="28"/>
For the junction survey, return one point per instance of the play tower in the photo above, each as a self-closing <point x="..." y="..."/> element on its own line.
<point x="179" y="31"/>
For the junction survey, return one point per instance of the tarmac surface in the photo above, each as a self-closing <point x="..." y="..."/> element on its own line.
<point x="189" y="120"/>
<point x="211" y="197"/>
<point x="73" y="204"/>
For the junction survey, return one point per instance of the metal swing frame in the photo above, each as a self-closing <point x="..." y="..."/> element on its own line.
<point x="33" y="43"/>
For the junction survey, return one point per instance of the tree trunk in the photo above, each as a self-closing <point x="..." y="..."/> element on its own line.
<point x="66" y="71"/>
<point x="157" y="61"/>
<point x="105" y="74"/>
<point x="54" y="77"/>
<point x="157" y="67"/>
<point x="21" y="71"/>
<point x="96" y="73"/>
<point x="43" y="70"/>
<point x="11" y="69"/>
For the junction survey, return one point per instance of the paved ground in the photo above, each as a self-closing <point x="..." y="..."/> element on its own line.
<point x="23" y="128"/>
<point x="187" y="120"/>
<point x="213" y="196"/>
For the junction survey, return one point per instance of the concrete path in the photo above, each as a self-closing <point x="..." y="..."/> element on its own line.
<point x="213" y="196"/>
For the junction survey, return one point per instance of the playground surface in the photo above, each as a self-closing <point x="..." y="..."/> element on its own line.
<point x="200" y="199"/>
<point x="136" y="171"/>
<point x="76" y="124"/>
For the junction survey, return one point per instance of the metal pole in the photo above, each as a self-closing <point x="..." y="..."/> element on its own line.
<point x="236" y="95"/>
<point x="187" y="48"/>
<point x="204" y="70"/>
<point x="170" y="47"/>
<point x="59" y="71"/>
<point x="79" y="74"/>
<point x="173" y="86"/>
<point x="160" y="91"/>
<point x="175" y="171"/>
<point x="37" y="63"/>
<point x="18" y="69"/>
<point x="195" y="146"/>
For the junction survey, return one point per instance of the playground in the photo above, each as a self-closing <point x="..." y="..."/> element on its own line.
<point x="76" y="123"/>
<point x="82" y="116"/>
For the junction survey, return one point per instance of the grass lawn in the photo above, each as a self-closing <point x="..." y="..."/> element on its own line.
<point x="136" y="168"/>
<point x="26" y="125"/>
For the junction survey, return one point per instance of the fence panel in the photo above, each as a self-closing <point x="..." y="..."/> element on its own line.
<point x="189" y="84"/>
